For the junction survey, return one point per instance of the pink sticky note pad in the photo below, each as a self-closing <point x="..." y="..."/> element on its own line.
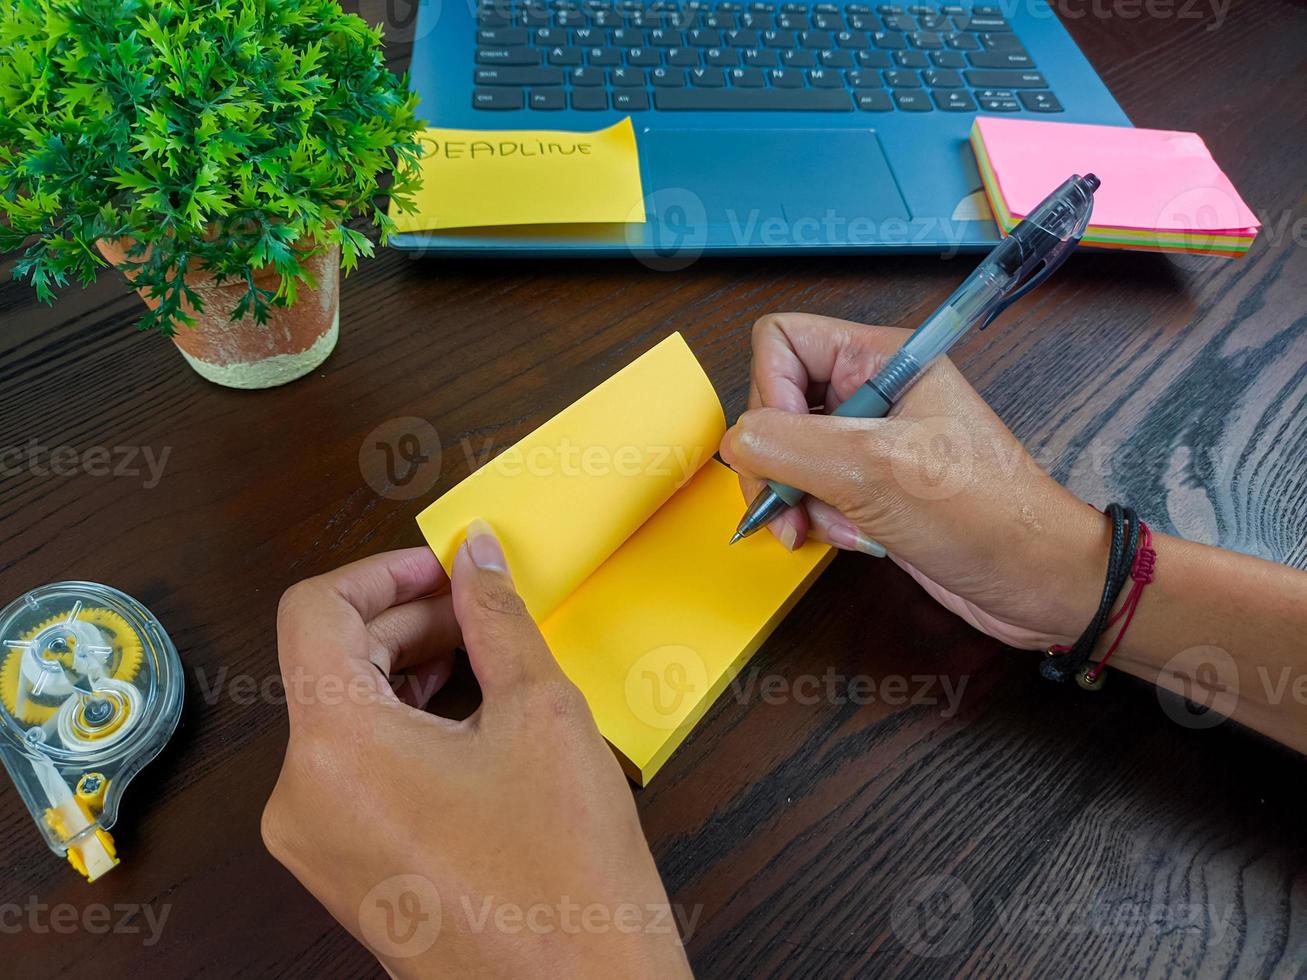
<point x="1152" y="179"/>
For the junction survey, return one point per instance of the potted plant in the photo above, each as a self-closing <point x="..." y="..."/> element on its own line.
<point x="214" y="152"/>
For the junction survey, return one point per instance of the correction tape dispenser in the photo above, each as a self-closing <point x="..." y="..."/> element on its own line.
<point x="90" y="691"/>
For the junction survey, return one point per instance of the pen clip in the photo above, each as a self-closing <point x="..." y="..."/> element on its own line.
<point x="1047" y="266"/>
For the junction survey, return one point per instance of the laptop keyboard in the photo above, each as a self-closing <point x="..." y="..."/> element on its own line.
<point x="699" y="55"/>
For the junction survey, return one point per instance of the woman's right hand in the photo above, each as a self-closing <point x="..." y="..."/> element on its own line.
<point x="941" y="484"/>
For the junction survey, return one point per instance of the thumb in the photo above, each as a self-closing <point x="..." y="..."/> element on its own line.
<point x="829" y="457"/>
<point x="503" y="643"/>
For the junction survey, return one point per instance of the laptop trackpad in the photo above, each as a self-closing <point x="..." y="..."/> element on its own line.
<point x="771" y="187"/>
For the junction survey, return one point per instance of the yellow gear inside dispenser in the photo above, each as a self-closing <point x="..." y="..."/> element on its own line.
<point x="90" y="691"/>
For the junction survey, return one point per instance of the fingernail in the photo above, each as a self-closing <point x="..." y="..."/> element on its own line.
<point x="846" y="536"/>
<point x="789" y="536"/>
<point x="484" y="547"/>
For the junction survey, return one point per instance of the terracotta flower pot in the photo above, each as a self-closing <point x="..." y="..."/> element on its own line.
<point x="245" y="354"/>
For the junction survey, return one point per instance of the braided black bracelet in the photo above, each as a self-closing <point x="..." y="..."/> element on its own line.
<point x="1061" y="664"/>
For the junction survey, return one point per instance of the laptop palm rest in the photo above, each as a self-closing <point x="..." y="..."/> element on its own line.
<point x="771" y="188"/>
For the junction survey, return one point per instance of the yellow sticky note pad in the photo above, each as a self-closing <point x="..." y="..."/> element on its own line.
<point x="615" y="520"/>
<point x="480" y="178"/>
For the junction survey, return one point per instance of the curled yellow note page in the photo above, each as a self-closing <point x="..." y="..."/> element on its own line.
<point x="565" y="497"/>
<point x="478" y="178"/>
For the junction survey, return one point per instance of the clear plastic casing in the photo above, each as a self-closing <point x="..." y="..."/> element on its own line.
<point x="90" y="691"/>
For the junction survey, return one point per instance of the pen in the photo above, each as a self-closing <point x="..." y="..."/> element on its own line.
<point x="1026" y="257"/>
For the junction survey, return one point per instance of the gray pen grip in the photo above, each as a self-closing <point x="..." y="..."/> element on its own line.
<point x="865" y="403"/>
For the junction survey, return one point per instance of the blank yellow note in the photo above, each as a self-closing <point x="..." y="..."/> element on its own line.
<point x="477" y="178"/>
<point x="616" y="521"/>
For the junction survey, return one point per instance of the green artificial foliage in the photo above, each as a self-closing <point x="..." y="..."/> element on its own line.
<point x="220" y="136"/>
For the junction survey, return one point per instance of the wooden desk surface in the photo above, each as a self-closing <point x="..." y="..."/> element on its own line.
<point x="1025" y="829"/>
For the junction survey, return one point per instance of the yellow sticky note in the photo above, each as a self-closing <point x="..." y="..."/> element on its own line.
<point x="616" y="521"/>
<point x="478" y="178"/>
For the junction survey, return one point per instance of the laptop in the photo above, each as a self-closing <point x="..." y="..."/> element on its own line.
<point x="762" y="125"/>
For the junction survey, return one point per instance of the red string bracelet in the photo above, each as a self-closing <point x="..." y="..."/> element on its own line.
<point x="1141" y="572"/>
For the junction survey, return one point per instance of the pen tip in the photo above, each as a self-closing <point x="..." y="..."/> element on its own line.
<point x="737" y="536"/>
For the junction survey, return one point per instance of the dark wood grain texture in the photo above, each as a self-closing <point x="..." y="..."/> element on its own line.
<point x="1071" y="835"/>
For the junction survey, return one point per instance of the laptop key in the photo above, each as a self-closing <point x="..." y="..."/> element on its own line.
<point x="954" y="100"/>
<point x="911" y="59"/>
<point x="519" y="76"/>
<point x="603" y="57"/>
<point x="707" y="77"/>
<point x="586" y="77"/>
<point x="874" y="59"/>
<point x="900" y="78"/>
<point x="747" y="78"/>
<point x="497" y="98"/>
<point x="785" y="78"/>
<point x="799" y="59"/>
<point x="1040" y="101"/>
<point x="667" y="77"/>
<point x="873" y="101"/>
<point x="862" y="78"/>
<point x="627" y="77"/>
<point x="949" y="59"/>
<point x="817" y="40"/>
<point x="759" y="58"/>
<point x="836" y="59"/>
<point x="824" y="78"/>
<point x="636" y="100"/>
<point x="942" y="78"/>
<point x="703" y="39"/>
<point x="1000" y="42"/>
<point x="890" y="40"/>
<point x="974" y="23"/>
<point x="642" y="57"/>
<point x="742" y="39"/>
<point x="853" y="40"/>
<point x="753" y="99"/>
<point x="566" y="57"/>
<point x="590" y="99"/>
<point x="1006" y="79"/>
<point x="549" y="99"/>
<point x="1000" y="59"/>
<point x="683" y="57"/>
<point x="962" y="42"/>
<point x="778" y="39"/>
<point x="501" y="37"/>
<point x="508" y="56"/>
<point x="721" y="57"/>
<point x="912" y="101"/>
<point x="998" y="101"/>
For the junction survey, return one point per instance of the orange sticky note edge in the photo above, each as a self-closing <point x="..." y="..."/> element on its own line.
<point x="1161" y="190"/>
<point x="487" y="178"/>
<point x="615" y="521"/>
